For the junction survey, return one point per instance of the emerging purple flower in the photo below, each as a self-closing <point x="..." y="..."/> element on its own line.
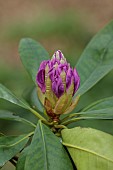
<point x="57" y="82"/>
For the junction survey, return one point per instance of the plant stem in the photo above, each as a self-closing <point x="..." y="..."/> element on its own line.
<point x="37" y="114"/>
<point x="13" y="162"/>
<point x="15" y="158"/>
<point x="69" y="116"/>
<point x="40" y="117"/>
<point x="60" y="127"/>
<point x="71" y="121"/>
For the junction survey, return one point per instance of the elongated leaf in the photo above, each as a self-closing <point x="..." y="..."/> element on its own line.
<point x="32" y="54"/>
<point x="46" y="151"/>
<point x="10" y="146"/>
<point x="101" y="109"/>
<point x="101" y="114"/>
<point x="97" y="59"/>
<point x="97" y="114"/>
<point x="22" y="159"/>
<point x="90" y="149"/>
<point x="100" y="104"/>
<point x="9" y="96"/>
<point x="35" y="101"/>
<point x="6" y="115"/>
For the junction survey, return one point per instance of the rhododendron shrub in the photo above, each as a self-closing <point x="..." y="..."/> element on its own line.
<point x="55" y="141"/>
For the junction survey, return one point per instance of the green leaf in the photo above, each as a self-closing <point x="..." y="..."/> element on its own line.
<point x="100" y="104"/>
<point x="96" y="60"/>
<point x="101" y="109"/>
<point x="35" y="101"/>
<point x="97" y="114"/>
<point x="6" y="94"/>
<point x="46" y="151"/>
<point x="90" y="149"/>
<point x="9" y="96"/>
<point x="22" y="159"/>
<point x="32" y="54"/>
<point x="6" y="115"/>
<point x="10" y="146"/>
<point x="102" y="114"/>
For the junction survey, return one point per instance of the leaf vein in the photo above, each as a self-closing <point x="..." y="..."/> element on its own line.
<point x="86" y="150"/>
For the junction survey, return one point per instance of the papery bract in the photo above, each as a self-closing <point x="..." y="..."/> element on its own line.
<point x="57" y="84"/>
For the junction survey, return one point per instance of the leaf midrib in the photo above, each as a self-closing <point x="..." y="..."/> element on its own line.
<point x="91" y="106"/>
<point x="44" y="144"/>
<point x="21" y="103"/>
<point x="97" y="66"/>
<point x="11" y="145"/>
<point x="86" y="150"/>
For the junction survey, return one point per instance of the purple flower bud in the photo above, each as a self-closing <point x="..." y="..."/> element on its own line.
<point x="55" y="78"/>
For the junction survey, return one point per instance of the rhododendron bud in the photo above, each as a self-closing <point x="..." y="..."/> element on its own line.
<point x="57" y="84"/>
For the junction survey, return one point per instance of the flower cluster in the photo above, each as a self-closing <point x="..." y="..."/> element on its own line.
<point x="57" y="84"/>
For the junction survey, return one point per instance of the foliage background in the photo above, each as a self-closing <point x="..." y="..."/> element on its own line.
<point x="65" y="25"/>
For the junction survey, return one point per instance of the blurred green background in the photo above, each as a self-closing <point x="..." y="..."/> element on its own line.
<point x="64" y="24"/>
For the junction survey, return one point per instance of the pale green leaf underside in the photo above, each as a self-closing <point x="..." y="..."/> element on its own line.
<point x="46" y="152"/>
<point x="90" y="149"/>
<point x="32" y="54"/>
<point x="96" y="60"/>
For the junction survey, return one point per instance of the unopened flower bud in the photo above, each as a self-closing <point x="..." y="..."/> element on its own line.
<point x="57" y="84"/>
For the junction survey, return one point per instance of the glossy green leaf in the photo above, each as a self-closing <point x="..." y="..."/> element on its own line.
<point x="22" y="159"/>
<point x="100" y="104"/>
<point x="46" y="151"/>
<point x="6" y="115"/>
<point x="90" y="149"/>
<point x="97" y="114"/>
<point x="6" y="94"/>
<point x="102" y="114"/>
<point x="32" y="54"/>
<point x="9" y="96"/>
<point x="10" y="146"/>
<point x="35" y="101"/>
<point x="101" y="109"/>
<point x="96" y="60"/>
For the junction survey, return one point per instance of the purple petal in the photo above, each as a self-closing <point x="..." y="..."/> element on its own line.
<point x="43" y="64"/>
<point x="54" y="73"/>
<point x="64" y="66"/>
<point x="69" y="78"/>
<point x="41" y="80"/>
<point x="58" y="56"/>
<point x="76" y="80"/>
<point x="57" y="87"/>
<point x="60" y="88"/>
<point x="56" y="65"/>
